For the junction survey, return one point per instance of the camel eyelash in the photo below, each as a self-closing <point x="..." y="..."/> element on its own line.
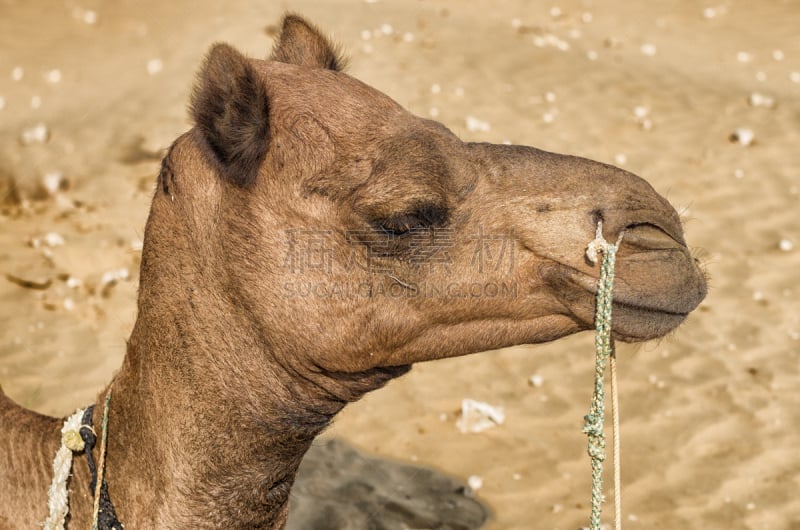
<point x="423" y="217"/>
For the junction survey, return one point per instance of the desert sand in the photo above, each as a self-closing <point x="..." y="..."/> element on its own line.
<point x="701" y="99"/>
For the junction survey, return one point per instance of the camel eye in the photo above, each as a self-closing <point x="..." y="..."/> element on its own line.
<point x="421" y="218"/>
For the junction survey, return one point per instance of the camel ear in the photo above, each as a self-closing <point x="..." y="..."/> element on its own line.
<point x="231" y="109"/>
<point x="303" y="44"/>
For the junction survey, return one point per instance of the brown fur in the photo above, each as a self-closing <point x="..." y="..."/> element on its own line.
<point x="230" y="373"/>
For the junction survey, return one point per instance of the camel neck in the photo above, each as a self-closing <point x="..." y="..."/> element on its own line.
<point x="200" y="431"/>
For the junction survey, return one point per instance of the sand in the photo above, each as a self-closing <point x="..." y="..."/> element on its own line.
<point x="709" y="414"/>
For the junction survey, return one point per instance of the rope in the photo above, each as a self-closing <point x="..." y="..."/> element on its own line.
<point x="604" y="350"/>
<point x="57" y="496"/>
<point x="102" y="463"/>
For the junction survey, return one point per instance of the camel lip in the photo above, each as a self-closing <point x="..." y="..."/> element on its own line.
<point x="622" y="296"/>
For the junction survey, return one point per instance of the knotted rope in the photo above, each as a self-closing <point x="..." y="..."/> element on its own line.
<point x="77" y="435"/>
<point x="604" y="352"/>
<point x="58" y="500"/>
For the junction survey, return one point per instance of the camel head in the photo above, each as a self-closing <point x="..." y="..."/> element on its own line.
<point x="347" y="237"/>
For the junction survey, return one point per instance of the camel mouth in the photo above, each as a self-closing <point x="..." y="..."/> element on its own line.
<point x="637" y="315"/>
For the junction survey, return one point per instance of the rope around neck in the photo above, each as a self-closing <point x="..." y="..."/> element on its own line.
<point x="604" y="352"/>
<point x="74" y="441"/>
<point x="58" y="499"/>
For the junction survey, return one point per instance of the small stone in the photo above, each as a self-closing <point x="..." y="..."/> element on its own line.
<point x="89" y="17"/>
<point x="550" y="97"/>
<point x="73" y="282"/>
<point x="757" y="99"/>
<point x="744" y="57"/>
<point x="794" y="77"/>
<point x="54" y="181"/>
<point x="387" y="29"/>
<point x="592" y="55"/>
<point x="620" y="158"/>
<point x="475" y="482"/>
<point x="69" y="304"/>
<point x="640" y="111"/>
<point x="36" y="102"/>
<point x="366" y="34"/>
<point x="536" y="380"/>
<point x="778" y="55"/>
<point x="742" y="136"/>
<point x="709" y="12"/>
<point x="17" y="73"/>
<point x="738" y="173"/>
<point x="53" y="76"/>
<point x="37" y="134"/>
<point x="2" y="102"/>
<point x="632" y="517"/>
<point x="154" y="66"/>
<point x="556" y="12"/>
<point x="761" y="76"/>
<point x="648" y="49"/>
<point x="436" y="88"/>
<point x="516" y="476"/>
<point x="408" y="37"/>
<point x="516" y="23"/>
<point x="586" y="17"/>
<point x="433" y="112"/>
<point x="474" y="124"/>
<point x="750" y="506"/>
<point x="786" y="245"/>
<point x="53" y="239"/>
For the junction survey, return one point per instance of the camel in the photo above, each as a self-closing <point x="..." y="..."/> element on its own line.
<point x="301" y="250"/>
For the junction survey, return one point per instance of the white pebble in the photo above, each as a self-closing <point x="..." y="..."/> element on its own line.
<point x="433" y="112"/>
<point x="89" y="16"/>
<point x="408" y="37"/>
<point x="17" y="73"/>
<point x="53" y="181"/>
<point x="640" y="111"/>
<point x="436" y="88"/>
<point x="114" y="276"/>
<point x="750" y="506"/>
<point x="709" y="12"/>
<point x="555" y="12"/>
<point x="516" y="476"/>
<point x="366" y="34"/>
<point x="761" y="76"/>
<point x="536" y="380"/>
<point x="778" y="55"/>
<point x="758" y="296"/>
<point x="39" y="133"/>
<point x="757" y="99"/>
<point x="53" y="239"/>
<point x="73" y="282"/>
<point x="738" y="173"/>
<point x="474" y="125"/>
<point x="387" y="29"/>
<point x="459" y="91"/>
<point x="475" y="482"/>
<point x="549" y="116"/>
<point x="2" y="102"/>
<point x="794" y="77"/>
<point x="549" y="97"/>
<point x="586" y="17"/>
<point x="137" y="245"/>
<point x="36" y="102"/>
<point x="516" y="23"/>
<point x="620" y="158"/>
<point x="632" y="517"/>
<point x="154" y="66"/>
<point x="786" y="245"/>
<point x="591" y="55"/>
<point x="648" y="49"/>
<point x="69" y="304"/>
<point x="743" y="136"/>
<point x="53" y="76"/>
<point x="557" y="508"/>
<point x="744" y="57"/>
